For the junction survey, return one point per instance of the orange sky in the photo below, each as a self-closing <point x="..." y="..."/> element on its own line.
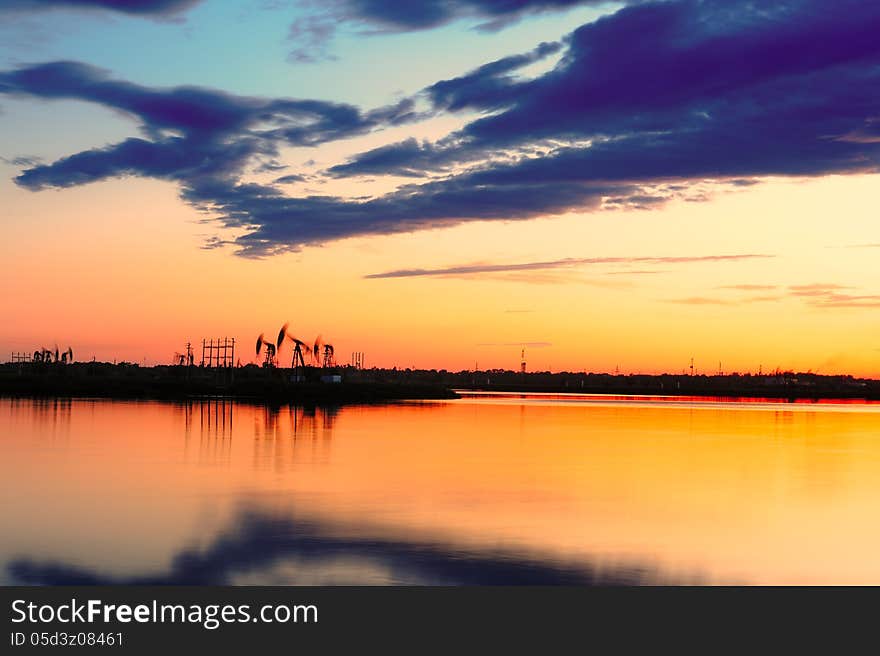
<point x="116" y="270"/>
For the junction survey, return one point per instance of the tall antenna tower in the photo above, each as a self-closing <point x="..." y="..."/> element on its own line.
<point x="522" y="361"/>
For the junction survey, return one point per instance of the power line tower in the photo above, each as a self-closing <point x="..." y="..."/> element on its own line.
<point x="219" y="353"/>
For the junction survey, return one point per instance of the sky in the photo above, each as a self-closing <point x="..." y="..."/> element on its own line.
<point x="612" y="186"/>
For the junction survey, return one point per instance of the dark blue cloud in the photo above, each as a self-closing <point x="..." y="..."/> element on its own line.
<point x="683" y="89"/>
<point x="405" y="15"/>
<point x="280" y="223"/>
<point x="198" y="111"/>
<point x="668" y="65"/>
<point x="405" y="158"/>
<point x="491" y="83"/>
<point x="190" y="133"/>
<point x="488" y="87"/>
<point x="169" y="159"/>
<point x="134" y="7"/>
<point x="289" y="179"/>
<point x="642" y="104"/>
<point x="312" y="33"/>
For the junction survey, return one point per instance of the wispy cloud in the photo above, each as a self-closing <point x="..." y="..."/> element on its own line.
<point x="818" y="295"/>
<point x="769" y="298"/>
<point x="20" y="161"/>
<point x="635" y="272"/>
<point x="837" y="300"/>
<point x="521" y="344"/>
<point x="479" y="268"/>
<point x="750" y="288"/>
<point x="701" y="300"/>
<point x="714" y="300"/>
<point x="815" y="289"/>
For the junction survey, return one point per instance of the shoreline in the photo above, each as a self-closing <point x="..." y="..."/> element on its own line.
<point x="731" y="394"/>
<point x="348" y="385"/>
<point x="168" y="383"/>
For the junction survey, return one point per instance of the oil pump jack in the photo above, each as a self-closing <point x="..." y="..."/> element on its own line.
<point x="185" y="359"/>
<point x="300" y="348"/>
<point x="269" y="360"/>
<point x="45" y="355"/>
<point x="323" y="353"/>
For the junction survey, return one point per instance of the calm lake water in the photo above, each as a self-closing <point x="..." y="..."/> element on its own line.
<point x="484" y="489"/>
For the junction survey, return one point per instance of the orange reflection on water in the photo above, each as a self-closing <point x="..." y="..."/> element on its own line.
<point x="760" y="493"/>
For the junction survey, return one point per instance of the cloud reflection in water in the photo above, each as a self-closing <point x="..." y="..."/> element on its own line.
<point x="271" y="549"/>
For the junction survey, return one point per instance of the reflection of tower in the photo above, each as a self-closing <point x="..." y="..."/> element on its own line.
<point x="215" y="430"/>
<point x="187" y="422"/>
<point x="522" y="361"/>
<point x="215" y="419"/>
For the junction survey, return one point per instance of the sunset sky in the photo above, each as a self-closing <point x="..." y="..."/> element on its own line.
<point x="438" y="184"/>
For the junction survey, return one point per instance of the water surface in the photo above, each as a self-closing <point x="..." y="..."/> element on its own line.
<point x="500" y="488"/>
